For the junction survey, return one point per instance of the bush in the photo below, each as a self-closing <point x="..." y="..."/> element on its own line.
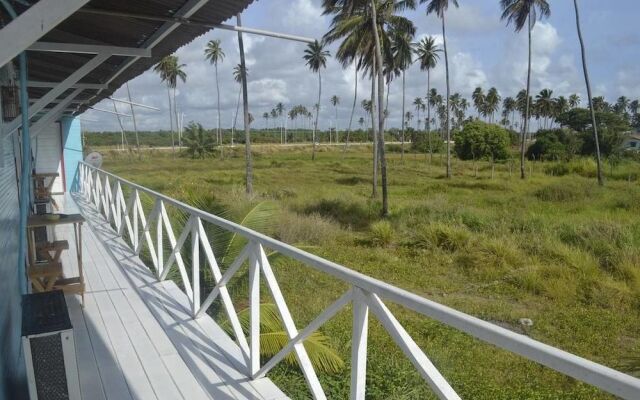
<point x="420" y="143"/>
<point x="479" y="140"/>
<point x="554" y="144"/>
<point x="382" y="234"/>
<point x="446" y="237"/>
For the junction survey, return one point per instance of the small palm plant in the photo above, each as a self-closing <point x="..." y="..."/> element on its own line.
<point x="199" y="142"/>
<point x="227" y="246"/>
<point x="273" y="338"/>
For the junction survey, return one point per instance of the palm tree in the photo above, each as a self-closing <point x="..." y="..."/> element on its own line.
<point x="361" y="122"/>
<point x="479" y="99"/>
<point x="419" y="106"/>
<point x="509" y="108"/>
<point x="364" y="26"/>
<point x="214" y="53"/>
<point x="521" y="12"/>
<point x="170" y="71"/>
<point x="402" y="52"/>
<point x="245" y="105"/>
<point x="237" y="76"/>
<point x="544" y="104"/>
<point x="492" y="103"/>
<point x="199" y="142"/>
<point x="266" y="120"/>
<point x="428" y="53"/>
<point x="440" y="7"/>
<point x="574" y="100"/>
<point x="335" y="100"/>
<point x="316" y="57"/>
<point x="280" y="110"/>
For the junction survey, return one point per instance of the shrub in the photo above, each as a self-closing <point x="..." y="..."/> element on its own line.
<point x="312" y="229"/>
<point x="479" y="140"/>
<point x="562" y="192"/>
<point x="444" y="236"/>
<point x="554" y="144"/>
<point x="420" y="142"/>
<point x="382" y="233"/>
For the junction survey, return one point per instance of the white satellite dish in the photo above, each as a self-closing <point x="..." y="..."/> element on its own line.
<point x="94" y="159"/>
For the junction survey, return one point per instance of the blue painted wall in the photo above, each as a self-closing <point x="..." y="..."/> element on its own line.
<point x="11" y="361"/>
<point x="72" y="150"/>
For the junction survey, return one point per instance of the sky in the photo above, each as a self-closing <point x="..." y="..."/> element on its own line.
<point x="483" y="51"/>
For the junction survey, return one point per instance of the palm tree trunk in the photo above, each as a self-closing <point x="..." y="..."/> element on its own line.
<point x="337" y="138"/>
<point x="235" y="119"/>
<point x="353" y="110"/>
<point x="245" y="104"/>
<point x="173" y="143"/>
<point x="315" y="125"/>
<point x="374" y="134"/>
<point x="589" y="95"/>
<point x="429" y="115"/>
<point x="220" y="141"/>
<point x="381" y="155"/>
<point x="448" y="123"/>
<point x="403" y="123"/>
<point x="525" y="124"/>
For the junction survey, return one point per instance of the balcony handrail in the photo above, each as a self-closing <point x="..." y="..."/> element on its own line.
<point x="365" y="292"/>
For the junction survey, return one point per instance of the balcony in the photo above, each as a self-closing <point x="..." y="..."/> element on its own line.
<point x="143" y="336"/>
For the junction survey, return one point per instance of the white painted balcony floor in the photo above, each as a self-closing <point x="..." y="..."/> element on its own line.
<point x="135" y="338"/>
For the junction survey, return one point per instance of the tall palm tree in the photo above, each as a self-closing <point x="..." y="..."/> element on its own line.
<point x="439" y="7"/>
<point x="245" y="105"/>
<point x="316" y="57"/>
<point x="402" y="52"/>
<point x="335" y="100"/>
<point x="170" y="71"/>
<point x="589" y="95"/>
<point x="418" y="104"/>
<point x="574" y="100"/>
<point x="521" y="13"/>
<point x="544" y="104"/>
<point x="364" y="26"/>
<point x="237" y="76"/>
<point x="428" y="54"/>
<point x="353" y="110"/>
<point x="509" y="108"/>
<point x="214" y="53"/>
<point x="492" y="103"/>
<point x="479" y="100"/>
<point x="280" y="110"/>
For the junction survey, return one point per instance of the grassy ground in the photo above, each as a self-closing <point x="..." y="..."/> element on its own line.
<point x="558" y="250"/>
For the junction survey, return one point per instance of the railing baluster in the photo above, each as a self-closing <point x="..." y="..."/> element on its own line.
<point x="159" y="240"/>
<point x="254" y="309"/>
<point x="359" y="345"/>
<point x="195" y="265"/>
<point x="413" y="352"/>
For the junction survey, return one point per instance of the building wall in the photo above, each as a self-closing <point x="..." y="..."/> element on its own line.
<point x="11" y="278"/>
<point x="72" y="150"/>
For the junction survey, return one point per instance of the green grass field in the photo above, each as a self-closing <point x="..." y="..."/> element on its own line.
<point x="556" y="249"/>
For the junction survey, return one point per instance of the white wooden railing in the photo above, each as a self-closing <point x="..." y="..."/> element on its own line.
<point x="366" y="294"/>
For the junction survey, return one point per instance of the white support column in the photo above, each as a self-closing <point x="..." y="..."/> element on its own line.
<point x="33" y="24"/>
<point x="254" y="309"/>
<point x="360" y="331"/>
